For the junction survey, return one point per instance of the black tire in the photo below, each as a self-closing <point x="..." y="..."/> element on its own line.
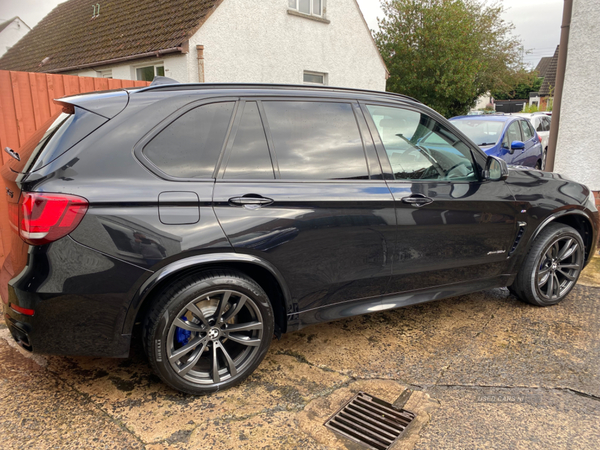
<point x="216" y="319"/>
<point x="552" y="266"/>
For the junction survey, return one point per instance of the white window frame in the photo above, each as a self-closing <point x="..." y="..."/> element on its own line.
<point x="312" y="72"/>
<point x="294" y="4"/>
<point x="105" y="73"/>
<point x="143" y="66"/>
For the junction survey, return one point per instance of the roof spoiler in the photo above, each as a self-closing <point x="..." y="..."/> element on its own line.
<point x="104" y="103"/>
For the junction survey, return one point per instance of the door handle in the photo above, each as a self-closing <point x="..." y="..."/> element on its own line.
<point x="417" y="200"/>
<point x="251" y="200"/>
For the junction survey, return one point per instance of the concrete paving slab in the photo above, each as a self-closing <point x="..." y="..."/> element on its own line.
<point x="528" y="419"/>
<point x="41" y="411"/>
<point x="527" y="346"/>
<point x="485" y="370"/>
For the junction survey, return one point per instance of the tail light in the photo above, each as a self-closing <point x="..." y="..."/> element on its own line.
<point x="46" y="217"/>
<point x="539" y="137"/>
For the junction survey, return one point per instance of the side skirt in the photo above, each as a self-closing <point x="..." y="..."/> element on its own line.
<point x="399" y="300"/>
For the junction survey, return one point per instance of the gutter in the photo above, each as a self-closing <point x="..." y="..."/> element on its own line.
<point x="156" y="54"/>
<point x="560" y="81"/>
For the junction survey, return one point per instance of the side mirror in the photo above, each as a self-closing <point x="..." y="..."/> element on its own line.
<point x="516" y="145"/>
<point x="495" y="169"/>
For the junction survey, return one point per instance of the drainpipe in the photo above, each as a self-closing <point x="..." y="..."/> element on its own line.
<point x="200" y="50"/>
<point x="558" y="88"/>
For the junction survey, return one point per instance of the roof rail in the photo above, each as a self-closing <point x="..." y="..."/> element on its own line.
<point x="196" y="86"/>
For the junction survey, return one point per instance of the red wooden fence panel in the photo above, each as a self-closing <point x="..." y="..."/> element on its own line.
<point x="26" y="102"/>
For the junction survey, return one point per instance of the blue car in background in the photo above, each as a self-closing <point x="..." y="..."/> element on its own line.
<point x="511" y="138"/>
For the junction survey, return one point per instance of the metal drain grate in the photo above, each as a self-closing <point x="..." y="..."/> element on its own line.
<point x="370" y="421"/>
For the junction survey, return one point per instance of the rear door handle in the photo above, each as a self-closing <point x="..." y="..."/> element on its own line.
<point x="417" y="200"/>
<point x="251" y="201"/>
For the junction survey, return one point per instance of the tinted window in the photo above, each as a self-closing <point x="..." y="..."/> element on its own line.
<point x="546" y="121"/>
<point x="527" y="130"/>
<point x="250" y="154"/>
<point x="316" y="140"/>
<point x="190" y="146"/>
<point x="421" y="148"/>
<point x="540" y="124"/>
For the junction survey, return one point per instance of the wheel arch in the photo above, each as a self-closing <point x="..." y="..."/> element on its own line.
<point x="576" y="219"/>
<point x="261" y="271"/>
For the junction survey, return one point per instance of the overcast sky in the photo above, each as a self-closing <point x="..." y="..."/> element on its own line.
<point x="537" y="22"/>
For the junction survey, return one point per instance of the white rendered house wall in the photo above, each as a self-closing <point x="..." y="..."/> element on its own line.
<point x="578" y="149"/>
<point x="261" y="42"/>
<point x="10" y="35"/>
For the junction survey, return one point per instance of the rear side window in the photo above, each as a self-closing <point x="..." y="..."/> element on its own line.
<point x="249" y="157"/>
<point x="316" y="140"/>
<point x="541" y="124"/>
<point x="547" y="122"/>
<point x="190" y="146"/>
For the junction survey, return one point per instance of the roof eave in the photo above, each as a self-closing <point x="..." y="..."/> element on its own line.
<point x="157" y="53"/>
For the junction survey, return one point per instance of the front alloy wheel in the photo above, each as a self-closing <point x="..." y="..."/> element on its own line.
<point x="559" y="268"/>
<point x="552" y="266"/>
<point x="209" y="333"/>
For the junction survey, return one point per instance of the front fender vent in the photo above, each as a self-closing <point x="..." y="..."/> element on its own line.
<point x="370" y="421"/>
<point x="520" y="234"/>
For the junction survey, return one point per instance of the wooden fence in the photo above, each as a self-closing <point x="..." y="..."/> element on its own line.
<point x="26" y="102"/>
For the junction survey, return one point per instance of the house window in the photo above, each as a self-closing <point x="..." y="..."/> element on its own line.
<point x="310" y="7"/>
<point x="315" y="78"/>
<point x="148" y="73"/>
<point x="105" y="73"/>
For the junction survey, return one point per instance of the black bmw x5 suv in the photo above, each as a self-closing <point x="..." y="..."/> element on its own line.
<point x="215" y="217"/>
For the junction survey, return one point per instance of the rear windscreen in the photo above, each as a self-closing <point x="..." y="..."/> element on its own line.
<point x="61" y="132"/>
<point x="35" y="143"/>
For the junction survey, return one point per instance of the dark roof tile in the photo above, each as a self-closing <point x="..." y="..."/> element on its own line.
<point x="542" y="66"/>
<point x="550" y="77"/>
<point x="70" y="37"/>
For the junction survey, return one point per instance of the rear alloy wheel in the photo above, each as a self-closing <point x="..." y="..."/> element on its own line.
<point x="552" y="266"/>
<point x="209" y="333"/>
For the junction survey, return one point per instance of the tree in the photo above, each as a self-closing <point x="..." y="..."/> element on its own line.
<point x="529" y="82"/>
<point x="446" y="53"/>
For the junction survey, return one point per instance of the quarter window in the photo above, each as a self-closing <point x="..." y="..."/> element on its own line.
<point x="316" y="140"/>
<point x="249" y="158"/>
<point x="190" y="146"/>
<point x="420" y="148"/>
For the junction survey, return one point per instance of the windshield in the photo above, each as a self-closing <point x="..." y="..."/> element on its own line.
<point x="482" y="132"/>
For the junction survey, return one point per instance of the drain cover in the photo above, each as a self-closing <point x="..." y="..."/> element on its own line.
<point x="370" y="421"/>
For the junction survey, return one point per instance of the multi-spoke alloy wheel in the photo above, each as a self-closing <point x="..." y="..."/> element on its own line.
<point x="559" y="268"/>
<point x="552" y="266"/>
<point x="210" y="333"/>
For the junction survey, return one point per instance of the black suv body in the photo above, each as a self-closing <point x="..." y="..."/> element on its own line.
<point x="217" y="216"/>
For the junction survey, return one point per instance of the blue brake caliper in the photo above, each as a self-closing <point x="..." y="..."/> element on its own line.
<point x="183" y="336"/>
